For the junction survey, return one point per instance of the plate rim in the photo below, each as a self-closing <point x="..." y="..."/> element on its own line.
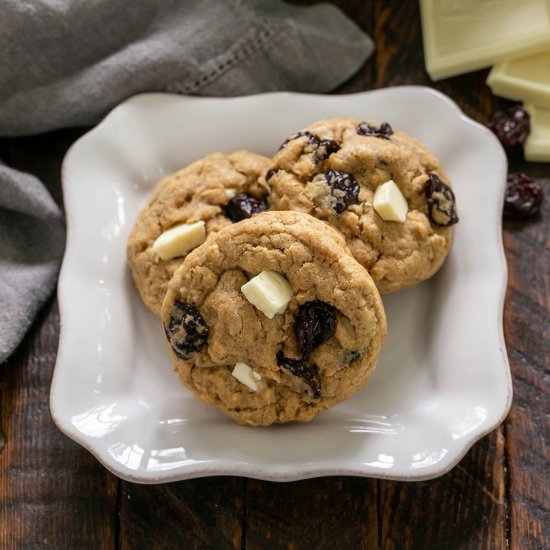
<point x="264" y="472"/>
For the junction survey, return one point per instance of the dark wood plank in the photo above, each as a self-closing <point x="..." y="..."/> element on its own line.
<point x="527" y="330"/>
<point x="53" y="493"/>
<point x="326" y="513"/>
<point x="467" y="507"/>
<point x="194" y="514"/>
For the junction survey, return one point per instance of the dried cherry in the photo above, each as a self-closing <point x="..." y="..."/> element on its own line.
<point x="315" y="324"/>
<point x="385" y="131"/>
<point x="186" y="331"/>
<point x="344" y="188"/>
<point x="523" y="195"/>
<point x="301" y="370"/>
<point x="511" y="126"/>
<point x="244" y="206"/>
<point x="441" y="202"/>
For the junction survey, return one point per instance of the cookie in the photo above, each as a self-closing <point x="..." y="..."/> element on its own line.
<point x="197" y="201"/>
<point x="332" y="170"/>
<point x="273" y="320"/>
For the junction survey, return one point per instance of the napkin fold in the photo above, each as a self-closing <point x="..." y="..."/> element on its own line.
<point x="32" y="240"/>
<point x="68" y="63"/>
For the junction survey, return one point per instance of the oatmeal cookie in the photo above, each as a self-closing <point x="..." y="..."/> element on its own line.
<point x="273" y="320"/>
<point x="198" y="200"/>
<point x="332" y="170"/>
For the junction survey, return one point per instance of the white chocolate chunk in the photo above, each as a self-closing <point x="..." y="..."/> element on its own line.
<point x="537" y="145"/>
<point x="244" y="374"/>
<point x="179" y="240"/>
<point x="465" y="35"/>
<point x="525" y="79"/>
<point x="269" y="291"/>
<point x="390" y="203"/>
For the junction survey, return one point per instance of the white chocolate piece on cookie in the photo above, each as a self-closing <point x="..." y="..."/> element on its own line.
<point x="244" y="374"/>
<point x="269" y="292"/>
<point x="179" y="240"/>
<point x="389" y="202"/>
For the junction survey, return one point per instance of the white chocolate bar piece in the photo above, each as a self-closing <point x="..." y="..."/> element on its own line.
<point x="526" y="79"/>
<point x="179" y="240"/>
<point x="465" y="35"/>
<point x="269" y="292"/>
<point x="389" y="202"/>
<point x="537" y="146"/>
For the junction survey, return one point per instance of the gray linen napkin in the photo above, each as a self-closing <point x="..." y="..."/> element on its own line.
<point x="32" y="239"/>
<point x="67" y="63"/>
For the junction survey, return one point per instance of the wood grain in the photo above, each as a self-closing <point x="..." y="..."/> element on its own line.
<point x="327" y="513"/>
<point x="527" y="331"/>
<point x="466" y="508"/>
<point x="192" y="514"/>
<point x="55" y="494"/>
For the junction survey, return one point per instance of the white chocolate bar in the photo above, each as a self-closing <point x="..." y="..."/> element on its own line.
<point x="526" y="79"/>
<point x="537" y="146"/>
<point x="465" y="35"/>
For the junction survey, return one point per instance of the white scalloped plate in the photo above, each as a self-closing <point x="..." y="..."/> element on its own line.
<point x="443" y="380"/>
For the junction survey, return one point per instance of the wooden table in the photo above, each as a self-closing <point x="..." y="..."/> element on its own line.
<point x="55" y="494"/>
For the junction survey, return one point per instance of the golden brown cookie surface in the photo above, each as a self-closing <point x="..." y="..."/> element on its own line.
<point x="198" y="192"/>
<point x="314" y="353"/>
<point x="331" y="170"/>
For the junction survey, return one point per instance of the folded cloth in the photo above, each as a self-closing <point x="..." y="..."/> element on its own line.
<point x="32" y="240"/>
<point x="68" y="63"/>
